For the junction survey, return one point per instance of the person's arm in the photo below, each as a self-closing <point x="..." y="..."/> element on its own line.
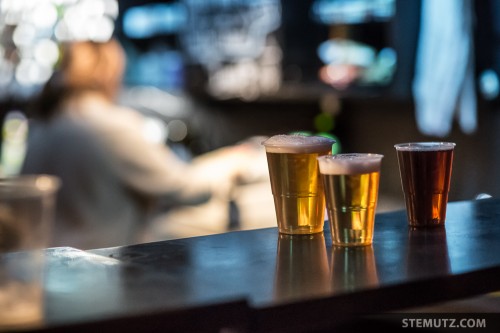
<point x="154" y="169"/>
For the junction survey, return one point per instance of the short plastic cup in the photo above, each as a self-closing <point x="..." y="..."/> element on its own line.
<point x="351" y="183"/>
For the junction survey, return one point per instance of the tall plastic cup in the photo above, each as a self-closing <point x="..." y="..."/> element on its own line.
<point x="298" y="192"/>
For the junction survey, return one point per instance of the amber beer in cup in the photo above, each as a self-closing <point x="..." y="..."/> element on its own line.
<point x="425" y="170"/>
<point x="295" y="183"/>
<point x="351" y="184"/>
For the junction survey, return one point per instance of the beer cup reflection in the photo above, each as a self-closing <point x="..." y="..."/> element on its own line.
<point x="425" y="170"/>
<point x="353" y="268"/>
<point x="301" y="266"/>
<point x="427" y="252"/>
<point x="351" y="184"/>
<point x="297" y="189"/>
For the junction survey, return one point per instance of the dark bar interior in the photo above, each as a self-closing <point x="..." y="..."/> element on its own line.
<point x="152" y="114"/>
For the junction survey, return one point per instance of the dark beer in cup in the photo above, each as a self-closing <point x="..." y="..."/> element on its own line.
<point x="425" y="170"/>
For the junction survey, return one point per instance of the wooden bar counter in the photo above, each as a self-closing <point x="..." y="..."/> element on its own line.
<point x="260" y="281"/>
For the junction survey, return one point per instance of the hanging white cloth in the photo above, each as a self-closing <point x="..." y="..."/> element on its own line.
<point x="443" y="86"/>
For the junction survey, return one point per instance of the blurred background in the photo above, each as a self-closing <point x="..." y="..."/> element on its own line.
<point x="213" y="73"/>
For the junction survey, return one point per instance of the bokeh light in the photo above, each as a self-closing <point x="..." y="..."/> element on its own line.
<point x="31" y="32"/>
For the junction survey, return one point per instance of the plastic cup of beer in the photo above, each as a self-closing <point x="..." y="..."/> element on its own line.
<point x="26" y="212"/>
<point x="425" y="170"/>
<point x="297" y="190"/>
<point x="351" y="183"/>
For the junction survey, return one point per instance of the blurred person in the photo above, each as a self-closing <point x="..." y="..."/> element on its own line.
<point x="113" y="179"/>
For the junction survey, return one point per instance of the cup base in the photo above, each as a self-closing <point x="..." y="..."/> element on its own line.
<point x="426" y="225"/>
<point x="422" y="226"/>
<point x="300" y="230"/>
<point x="351" y="244"/>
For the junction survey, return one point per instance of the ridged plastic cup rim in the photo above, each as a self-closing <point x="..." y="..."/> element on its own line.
<point x="425" y="146"/>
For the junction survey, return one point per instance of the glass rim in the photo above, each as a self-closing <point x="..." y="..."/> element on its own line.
<point x="355" y="156"/>
<point x="425" y="146"/>
<point x="28" y="185"/>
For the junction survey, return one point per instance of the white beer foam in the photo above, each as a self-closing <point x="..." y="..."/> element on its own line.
<point x="349" y="164"/>
<point x="425" y="146"/>
<point x="297" y="144"/>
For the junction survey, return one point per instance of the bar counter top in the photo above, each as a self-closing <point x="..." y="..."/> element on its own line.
<point x="259" y="280"/>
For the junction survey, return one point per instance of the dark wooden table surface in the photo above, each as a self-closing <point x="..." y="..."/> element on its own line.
<point x="260" y="281"/>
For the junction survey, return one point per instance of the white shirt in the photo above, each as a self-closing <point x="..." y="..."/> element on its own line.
<point x="109" y="171"/>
